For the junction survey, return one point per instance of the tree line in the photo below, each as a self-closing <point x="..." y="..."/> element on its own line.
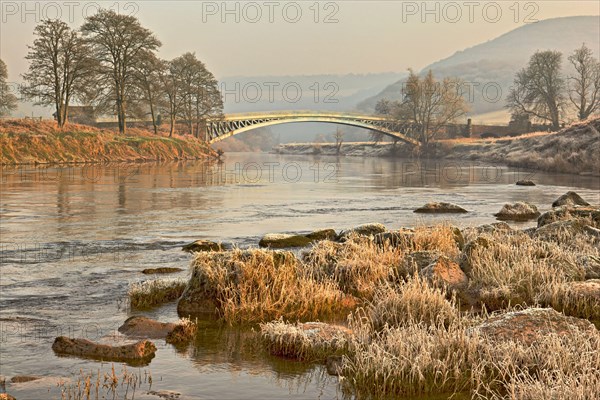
<point x="541" y="91"/>
<point x="111" y="63"/>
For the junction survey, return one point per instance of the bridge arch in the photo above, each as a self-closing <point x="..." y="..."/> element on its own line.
<point x="231" y="125"/>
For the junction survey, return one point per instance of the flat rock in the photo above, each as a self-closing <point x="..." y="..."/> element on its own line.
<point x="139" y="353"/>
<point x="440" y="208"/>
<point x="570" y="199"/>
<point x="161" y="270"/>
<point x="146" y="327"/>
<point x="446" y="272"/>
<point x="519" y="211"/>
<point x="525" y="183"/>
<point x="202" y="245"/>
<point x="531" y="325"/>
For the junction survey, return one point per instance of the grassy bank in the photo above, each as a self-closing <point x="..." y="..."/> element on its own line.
<point x="41" y="142"/>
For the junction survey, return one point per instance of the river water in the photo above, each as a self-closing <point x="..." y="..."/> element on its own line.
<point x="74" y="238"/>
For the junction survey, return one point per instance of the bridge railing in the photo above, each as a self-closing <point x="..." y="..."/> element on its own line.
<point x="284" y="113"/>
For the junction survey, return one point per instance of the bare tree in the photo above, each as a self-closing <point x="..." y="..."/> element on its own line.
<point x="192" y="93"/>
<point x="119" y="42"/>
<point x="584" y="88"/>
<point x="430" y="105"/>
<point x="539" y="89"/>
<point x="58" y="61"/>
<point x="147" y="76"/>
<point x="339" y="139"/>
<point x="8" y="101"/>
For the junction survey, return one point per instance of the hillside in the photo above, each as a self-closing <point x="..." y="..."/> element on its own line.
<point x="40" y="142"/>
<point x="497" y="60"/>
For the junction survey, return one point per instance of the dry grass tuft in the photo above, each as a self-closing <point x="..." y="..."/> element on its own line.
<point x="261" y="285"/>
<point x="151" y="293"/>
<point x="183" y="333"/>
<point x="412" y="302"/>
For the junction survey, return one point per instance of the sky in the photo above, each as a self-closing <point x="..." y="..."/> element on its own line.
<point x="297" y="38"/>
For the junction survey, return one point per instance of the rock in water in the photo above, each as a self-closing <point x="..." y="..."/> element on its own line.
<point x="362" y="230"/>
<point x="440" y="208"/>
<point x="146" y="327"/>
<point x="282" y="240"/>
<point x="570" y="199"/>
<point x="161" y="270"/>
<point x="520" y="211"/>
<point x="139" y="353"/>
<point x="525" y="183"/>
<point x="202" y="245"/>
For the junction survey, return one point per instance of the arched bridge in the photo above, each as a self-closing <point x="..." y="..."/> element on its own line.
<point x="232" y="124"/>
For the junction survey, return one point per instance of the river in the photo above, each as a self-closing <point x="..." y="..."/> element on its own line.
<point x="73" y="238"/>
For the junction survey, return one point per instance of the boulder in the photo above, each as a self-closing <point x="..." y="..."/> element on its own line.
<point x="447" y="273"/>
<point x="570" y="212"/>
<point x="146" y="327"/>
<point x="6" y="396"/>
<point x="322" y="234"/>
<point x="397" y="239"/>
<point x="530" y="325"/>
<point x="525" y="183"/>
<point x="282" y="240"/>
<point x="591" y="266"/>
<point x="362" y="230"/>
<point x="519" y="211"/>
<point x="202" y="245"/>
<point x="161" y="270"/>
<point x="570" y="199"/>
<point x="440" y="208"/>
<point x="139" y="353"/>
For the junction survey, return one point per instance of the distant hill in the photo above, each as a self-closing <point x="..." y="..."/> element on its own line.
<point x="497" y="60"/>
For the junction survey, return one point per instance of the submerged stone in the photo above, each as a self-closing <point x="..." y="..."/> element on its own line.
<point x="146" y="327"/>
<point x="202" y="245"/>
<point x="161" y="270"/>
<point x="525" y="183"/>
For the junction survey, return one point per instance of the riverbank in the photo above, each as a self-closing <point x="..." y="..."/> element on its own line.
<point x="42" y="142"/>
<point x="573" y="150"/>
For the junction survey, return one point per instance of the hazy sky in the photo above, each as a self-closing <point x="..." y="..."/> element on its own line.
<point x="302" y="37"/>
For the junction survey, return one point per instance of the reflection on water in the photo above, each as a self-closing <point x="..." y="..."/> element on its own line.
<point x="74" y="238"/>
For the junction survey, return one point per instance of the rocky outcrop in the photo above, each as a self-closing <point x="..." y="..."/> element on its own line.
<point x="525" y="183"/>
<point x="570" y="199"/>
<point x="530" y="325"/>
<point x="202" y="245"/>
<point x="146" y="327"/>
<point x="519" y="211"/>
<point x="139" y="353"/>
<point x="440" y="208"/>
